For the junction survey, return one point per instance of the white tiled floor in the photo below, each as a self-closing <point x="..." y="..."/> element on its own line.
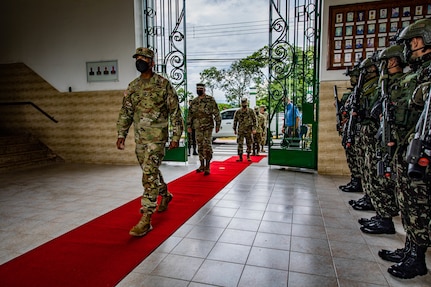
<point x="268" y="227"/>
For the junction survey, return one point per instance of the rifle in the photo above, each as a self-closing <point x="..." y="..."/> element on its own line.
<point x="419" y="150"/>
<point x="353" y="118"/>
<point x="337" y="111"/>
<point x="386" y="120"/>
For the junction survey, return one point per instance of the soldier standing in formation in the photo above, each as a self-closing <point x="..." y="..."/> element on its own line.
<point x="203" y="112"/>
<point x="381" y="189"/>
<point x="149" y="102"/>
<point x="355" y="181"/>
<point x="414" y="196"/>
<point x="244" y="125"/>
<point x="403" y="97"/>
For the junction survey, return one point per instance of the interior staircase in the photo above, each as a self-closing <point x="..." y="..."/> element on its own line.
<point x="19" y="151"/>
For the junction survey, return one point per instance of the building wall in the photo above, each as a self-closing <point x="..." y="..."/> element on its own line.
<point x="86" y="128"/>
<point x="57" y="38"/>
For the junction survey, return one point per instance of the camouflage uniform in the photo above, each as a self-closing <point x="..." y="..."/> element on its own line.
<point x="244" y="123"/>
<point x="148" y="104"/>
<point x="382" y="193"/>
<point x="352" y="156"/>
<point x="257" y="137"/>
<point x="203" y="113"/>
<point x="366" y="140"/>
<point x="353" y="162"/>
<point x="413" y="196"/>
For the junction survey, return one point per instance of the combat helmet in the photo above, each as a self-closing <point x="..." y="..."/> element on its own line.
<point x="420" y="28"/>
<point x="393" y="51"/>
<point x="368" y="62"/>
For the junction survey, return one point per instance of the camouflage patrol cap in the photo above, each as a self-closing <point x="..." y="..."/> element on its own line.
<point x="256" y="108"/>
<point x="141" y="51"/>
<point x="420" y="28"/>
<point x="200" y="85"/>
<point x="243" y="100"/>
<point x="393" y="51"/>
<point x="263" y="107"/>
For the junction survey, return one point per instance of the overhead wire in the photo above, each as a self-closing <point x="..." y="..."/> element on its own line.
<point x="224" y="30"/>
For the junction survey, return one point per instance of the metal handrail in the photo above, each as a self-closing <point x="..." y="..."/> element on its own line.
<point x="29" y="103"/>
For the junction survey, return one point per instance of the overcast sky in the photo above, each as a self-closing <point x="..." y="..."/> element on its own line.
<point x="220" y="31"/>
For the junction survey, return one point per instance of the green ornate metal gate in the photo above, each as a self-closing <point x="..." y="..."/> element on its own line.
<point x="293" y="74"/>
<point x="294" y="32"/>
<point x="163" y="25"/>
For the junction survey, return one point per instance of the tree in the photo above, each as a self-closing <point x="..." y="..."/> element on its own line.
<point x="211" y="78"/>
<point x="238" y="78"/>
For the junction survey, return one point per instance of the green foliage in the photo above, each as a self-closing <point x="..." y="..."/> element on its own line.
<point x="286" y="81"/>
<point x="182" y="95"/>
<point x="212" y="79"/>
<point x="222" y="106"/>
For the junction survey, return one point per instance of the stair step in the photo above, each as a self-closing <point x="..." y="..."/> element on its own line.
<point x="23" y="156"/>
<point x="19" y="148"/>
<point x="28" y="164"/>
<point x="17" y="139"/>
<point x="23" y="151"/>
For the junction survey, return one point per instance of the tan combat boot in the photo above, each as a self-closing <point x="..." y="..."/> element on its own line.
<point x="143" y="226"/>
<point x="163" y="206"/>
<point x="201" y="168"/>
<point x="248" y="156"/>
<point x="207" y="167"/>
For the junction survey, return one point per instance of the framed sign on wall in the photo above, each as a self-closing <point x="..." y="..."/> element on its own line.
<point x="102" y="71"/>
<point x="356" y="31"/>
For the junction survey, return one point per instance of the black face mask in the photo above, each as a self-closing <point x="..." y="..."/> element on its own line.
<point x="199" y="92"/>
<point x="142" y="66"/>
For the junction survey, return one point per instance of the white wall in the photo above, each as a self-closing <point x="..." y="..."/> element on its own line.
<point x="331" y="75"/>
<point x="57" y="37"/>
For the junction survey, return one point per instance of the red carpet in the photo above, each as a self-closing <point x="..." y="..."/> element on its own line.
<point x="101" y="252"/>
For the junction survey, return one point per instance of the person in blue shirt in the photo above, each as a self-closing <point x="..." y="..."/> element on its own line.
<point x="291" y="119"/>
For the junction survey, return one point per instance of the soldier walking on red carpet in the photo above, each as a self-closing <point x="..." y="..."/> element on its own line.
<point x="203" y="113"/>
<point x="149" y="102"/>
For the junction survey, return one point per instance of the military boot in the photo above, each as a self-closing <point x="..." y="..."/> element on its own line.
<point x="207" y="167"/>
<point x="248" y="157"/>
<point x="163" y="206"/>
<point x="240" y="157"/>
<point x="363" y="204"/>
<point x="379" y="226"/>
<point x="347" y="184"/>
<point x="412" y="265"/>
<point x="355" y="186"/>
<point x="202" y="167"/>
<point x="366" y="221"/>
<point x="143" y="226"/>
<point x="397" y="255"/>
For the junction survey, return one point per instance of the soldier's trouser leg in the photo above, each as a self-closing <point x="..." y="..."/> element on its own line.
<point x="414" y="199"/>
<point x="150" y="157"/>
<point x="380" y="189"/>
<point x="240" y="143"/>
<point x="357" y="151"/>
<point x="249" y="141"/>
